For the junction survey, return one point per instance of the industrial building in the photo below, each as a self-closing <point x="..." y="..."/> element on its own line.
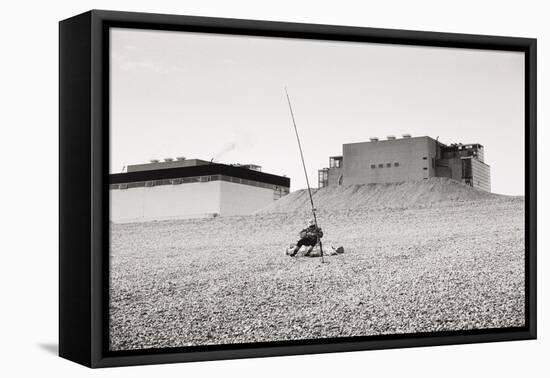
<point x="191" y="188"/>
<point x="406" y="159"/>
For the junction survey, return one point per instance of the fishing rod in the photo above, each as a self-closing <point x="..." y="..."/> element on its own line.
<point x="305" y="172"/>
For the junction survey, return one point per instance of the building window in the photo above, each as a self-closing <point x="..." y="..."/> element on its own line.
<point x="277" y="193"/>
<point x="396" y="164"/>
<point x="372" y="166"/>
<point x="425" y="168"/>
<point x="322" y="178"/>
<point x="138" y="184"/>
<point x="380" y="165"/>
<point x="388" y="165"/>
<point x="335" y="162"/>
<point x="425" y="158"/>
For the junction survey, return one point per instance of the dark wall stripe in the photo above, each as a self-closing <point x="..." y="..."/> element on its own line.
<point x="200" y="170"/>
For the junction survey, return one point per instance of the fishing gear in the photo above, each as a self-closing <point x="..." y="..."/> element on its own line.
<point x="305" y="173"/>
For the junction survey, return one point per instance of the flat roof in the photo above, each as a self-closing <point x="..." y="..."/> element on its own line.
<point x="452" y="145"/>
<point x="166" y="164"/>
<point x="392" y="140"/>
<point x="199" y="170"/>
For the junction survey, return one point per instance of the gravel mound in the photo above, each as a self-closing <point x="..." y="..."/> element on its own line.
<point x="395" y="195"/>
<point x="445" y="267"/>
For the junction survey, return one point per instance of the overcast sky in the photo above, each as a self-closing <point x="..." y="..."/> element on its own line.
<point x="217" y="96"/>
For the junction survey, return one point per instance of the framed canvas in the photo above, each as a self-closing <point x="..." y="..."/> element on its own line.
<point x="235" y="188"/>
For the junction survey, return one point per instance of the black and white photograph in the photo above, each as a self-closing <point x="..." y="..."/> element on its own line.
<point x="210" y="188"/>
<point x="266" y="189"/>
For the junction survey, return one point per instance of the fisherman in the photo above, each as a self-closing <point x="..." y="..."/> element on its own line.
<point x="309" y="237"/>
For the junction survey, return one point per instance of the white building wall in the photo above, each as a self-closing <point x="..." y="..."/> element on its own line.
<point x="189" y="200"/>
<point x="414" y="158"/>
<point x="163" y="202"/>
<point x="239" y="199"/>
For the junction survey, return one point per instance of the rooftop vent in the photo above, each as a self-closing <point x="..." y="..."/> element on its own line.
<point x="374" y="139"/>
<point x="168" y="159"/>
<point x="406" y="135"/>
<point x="154" y="161"/>
<point x="391" y="137"/>
<point x="180" y="158"/>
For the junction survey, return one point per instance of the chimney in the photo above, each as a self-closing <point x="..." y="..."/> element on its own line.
<point x="168" y="159"/>
<point x="406" y="135"/>
<point x="391" y="137"/>
<point x="180" y="158"/>
<point x="152" y="161"/>
<point x="374" y="139"/>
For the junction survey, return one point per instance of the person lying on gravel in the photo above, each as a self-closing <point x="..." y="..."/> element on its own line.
<point x="309" y="237"/>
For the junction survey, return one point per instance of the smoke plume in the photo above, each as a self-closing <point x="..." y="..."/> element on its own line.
<point x="227" y="148"/>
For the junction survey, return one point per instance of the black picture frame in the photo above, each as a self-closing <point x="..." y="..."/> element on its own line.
<point x="83" y="181"/>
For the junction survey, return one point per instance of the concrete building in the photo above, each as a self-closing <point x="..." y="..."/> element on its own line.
<point x="181" y="188"/>
<point x="406" y="159"/>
